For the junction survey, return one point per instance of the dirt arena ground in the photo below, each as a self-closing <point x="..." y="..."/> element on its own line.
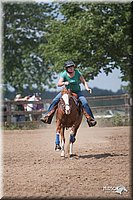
<point x="33" y="169"/>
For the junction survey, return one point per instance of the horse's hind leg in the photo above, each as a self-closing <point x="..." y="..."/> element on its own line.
<point x="62" y="148"/>
<point x="71" y="149"/>
<point x="71" y="141"/>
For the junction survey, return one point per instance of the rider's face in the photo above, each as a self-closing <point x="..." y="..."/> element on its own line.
<point x="70" y="69"/>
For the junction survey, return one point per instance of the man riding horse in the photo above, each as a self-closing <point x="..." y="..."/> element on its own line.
<point x="71" y="79"/>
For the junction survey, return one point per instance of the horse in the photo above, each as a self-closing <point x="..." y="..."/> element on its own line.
<point x="69" y="115"/>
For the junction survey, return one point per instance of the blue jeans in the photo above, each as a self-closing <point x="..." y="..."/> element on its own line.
<point x="81" y="98"/>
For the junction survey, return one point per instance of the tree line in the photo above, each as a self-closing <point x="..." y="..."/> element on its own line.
<point x="51" y="94"/>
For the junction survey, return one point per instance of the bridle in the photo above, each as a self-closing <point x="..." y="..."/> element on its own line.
<point x="67" y="108"/>
<point x="65" y="99"/>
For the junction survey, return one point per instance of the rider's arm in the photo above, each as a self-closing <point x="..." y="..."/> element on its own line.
<point x="61" y="82"/>
<point x="85" y="84"/>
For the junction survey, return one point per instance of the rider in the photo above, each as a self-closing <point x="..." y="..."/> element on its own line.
<point x="71" y="79"/>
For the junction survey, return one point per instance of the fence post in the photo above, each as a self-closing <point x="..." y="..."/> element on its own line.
<point x="9" y="113"/>
<point x="126" y="100"/>
<point x="131" y="108"/>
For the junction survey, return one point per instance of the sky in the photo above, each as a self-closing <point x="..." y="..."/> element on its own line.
<point x="111" y="82"/>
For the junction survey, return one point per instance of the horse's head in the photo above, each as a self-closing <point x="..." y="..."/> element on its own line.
<point x="65" y="97"/>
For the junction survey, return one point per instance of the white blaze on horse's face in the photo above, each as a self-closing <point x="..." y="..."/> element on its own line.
<point x="65" y="97"/>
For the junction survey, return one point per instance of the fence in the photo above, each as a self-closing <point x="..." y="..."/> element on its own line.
<point x="97" y="103"/>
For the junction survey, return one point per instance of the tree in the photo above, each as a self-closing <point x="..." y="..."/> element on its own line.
<point x="95" y="36"/>
<point x="24" y="29"/>
<point x="39" y="37"/>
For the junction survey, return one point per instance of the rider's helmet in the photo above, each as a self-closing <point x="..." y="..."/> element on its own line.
<point x="69" y="64"/>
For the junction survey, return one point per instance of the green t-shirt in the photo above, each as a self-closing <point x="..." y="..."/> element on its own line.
<point x="74" y="82"/>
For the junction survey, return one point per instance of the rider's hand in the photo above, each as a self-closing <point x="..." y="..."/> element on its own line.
<point x="89" y="90"/>
<point x="66" y="83"/>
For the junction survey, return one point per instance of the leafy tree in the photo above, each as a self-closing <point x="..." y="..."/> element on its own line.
<point x="24" y="29"/>
<point x="37" y="41"/>
<point x="95" y="36"/>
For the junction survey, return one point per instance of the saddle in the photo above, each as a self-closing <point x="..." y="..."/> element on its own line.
<point x="74" y="95"/>
<point x="79" y="104"/>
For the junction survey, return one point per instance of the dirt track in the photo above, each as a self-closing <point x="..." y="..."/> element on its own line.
<point x="33" y="169"/>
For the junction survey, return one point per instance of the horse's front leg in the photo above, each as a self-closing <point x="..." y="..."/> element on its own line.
<point x="62" y="142"/>
<point x="57" y="138"/>
<point x="57" y="142"/>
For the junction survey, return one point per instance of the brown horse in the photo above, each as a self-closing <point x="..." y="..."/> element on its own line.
<point x="69" y="115"/>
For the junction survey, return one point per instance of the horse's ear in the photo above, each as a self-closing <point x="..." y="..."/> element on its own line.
<point x="69" y="91"/>
<point x="63" y="91"/>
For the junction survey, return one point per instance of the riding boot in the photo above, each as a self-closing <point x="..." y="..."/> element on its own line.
<point x="91" y="121"/>
<point x="47" y="118"/>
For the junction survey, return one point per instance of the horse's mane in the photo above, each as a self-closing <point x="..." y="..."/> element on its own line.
<point x="65" y="91"/>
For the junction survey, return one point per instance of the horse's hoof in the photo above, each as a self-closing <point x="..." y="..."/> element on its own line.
<point x="71" y="156"/>
<point x="57" y="147"/>
<point x="62" y="154"/>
